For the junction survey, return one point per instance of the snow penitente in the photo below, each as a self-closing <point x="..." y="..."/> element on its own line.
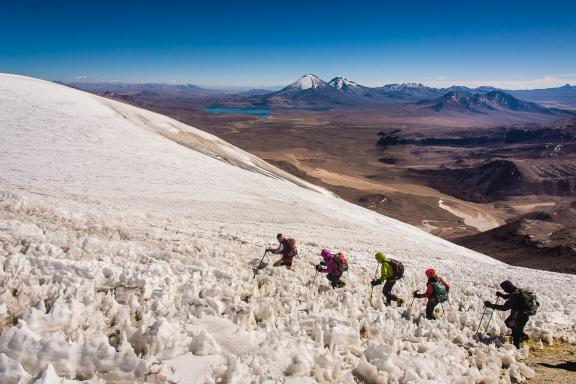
<point x="128" y="241"/>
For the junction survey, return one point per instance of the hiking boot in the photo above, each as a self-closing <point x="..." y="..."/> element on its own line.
<point x="400" y="302"/>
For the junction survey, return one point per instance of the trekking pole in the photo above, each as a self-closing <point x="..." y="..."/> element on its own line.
<point x="492" y="314"/>
<point x="372" y="290"/>
<point x="314" y="280"/>
<point x="480" y="323"/>
<point x="482" y="318"/>
<point x="442" y="304"/>
<point x="259" y="265"/>
<point x="409" y="309"/>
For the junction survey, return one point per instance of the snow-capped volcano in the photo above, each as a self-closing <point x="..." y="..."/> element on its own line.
<point x="338" y="90"/>
<point x="343" y="84"/>
<point x="308" y="82"/>
<point x="305" y="83"/>
<point x="127" y="246"/>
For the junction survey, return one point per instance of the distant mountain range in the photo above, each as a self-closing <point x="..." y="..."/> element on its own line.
<point x="483" y="103"/>
<point x="132" y="89"/>
<point x="310" y="89"/>
<point x="561" y="97"/>
<point x="344" y="91"/>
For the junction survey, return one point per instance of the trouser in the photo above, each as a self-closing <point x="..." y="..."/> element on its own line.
<point x="387" y="291"/>
<point x="287" y="262"/>
<point x="516" y="322"/>
<point x="335" y="280"/>
<point x="432" y="303"/>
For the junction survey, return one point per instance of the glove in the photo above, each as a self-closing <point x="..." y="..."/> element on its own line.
<point x="499" y="294"/>
<point x="322" y="263"/>
<point x="487" y="304"/>
<point x="319" y="268"/>
<point x="415" y="294"/>
<point x="375" y="282"/>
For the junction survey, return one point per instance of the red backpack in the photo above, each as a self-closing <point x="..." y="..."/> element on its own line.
<point x="341" y="262"/>
<point x="289" y="249"/>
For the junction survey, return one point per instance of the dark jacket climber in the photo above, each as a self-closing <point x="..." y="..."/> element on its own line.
<point x="516" y="302"/>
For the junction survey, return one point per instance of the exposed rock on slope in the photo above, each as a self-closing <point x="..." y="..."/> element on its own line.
<point x="543" y="240"/>
<point x="498" y="179"/>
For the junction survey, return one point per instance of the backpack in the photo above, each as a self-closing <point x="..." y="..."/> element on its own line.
<point x="341" y="262"/>
<point x="440" y="291"/>
<point x="397" y="268"/>
<point x="290" y="249"/>
<point x="530" y="303"/>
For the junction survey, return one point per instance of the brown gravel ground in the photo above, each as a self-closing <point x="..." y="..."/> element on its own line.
<point x="554" y="364"/>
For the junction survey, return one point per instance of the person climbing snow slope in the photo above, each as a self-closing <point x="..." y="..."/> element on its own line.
<point x="390" y="271"/>
<point x="436" y="292"/>
<point x="522" y="304"/>
<point x="286" y="248"/>
<point x="334" y="265"/>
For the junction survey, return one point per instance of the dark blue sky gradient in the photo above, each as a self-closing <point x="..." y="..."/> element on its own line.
<point x="257" y="43"/>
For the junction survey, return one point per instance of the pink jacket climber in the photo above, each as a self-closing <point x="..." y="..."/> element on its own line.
<point x="331" y="266"/>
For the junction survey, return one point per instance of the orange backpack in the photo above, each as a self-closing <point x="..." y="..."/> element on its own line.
<point x="341" y="262"/>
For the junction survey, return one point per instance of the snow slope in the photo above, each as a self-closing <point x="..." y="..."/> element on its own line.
<point x="128" y="241"/>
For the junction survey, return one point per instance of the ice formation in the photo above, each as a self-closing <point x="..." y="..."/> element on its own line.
<point x="127" y="253"/>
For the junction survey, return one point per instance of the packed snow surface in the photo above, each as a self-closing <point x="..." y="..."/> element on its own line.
<point x="127" y="247"/>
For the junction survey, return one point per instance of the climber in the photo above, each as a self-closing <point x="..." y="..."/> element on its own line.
<point x="390" y="271"/>
<point x="522" y="304"/>
<point x="436" y="292"/>
<point x="334" y="265"/>
<point x="286" y="248"/>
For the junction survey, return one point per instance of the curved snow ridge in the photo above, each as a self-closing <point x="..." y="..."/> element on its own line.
<point x="203" y="142"/>
<point x="119" y="298"/>
<point x="65" y="99"/>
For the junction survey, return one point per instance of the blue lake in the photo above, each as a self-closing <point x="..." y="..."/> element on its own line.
<point x="260" y="112"/>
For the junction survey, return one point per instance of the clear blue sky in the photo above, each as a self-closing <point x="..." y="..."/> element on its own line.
<point x="513" y="44"/>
